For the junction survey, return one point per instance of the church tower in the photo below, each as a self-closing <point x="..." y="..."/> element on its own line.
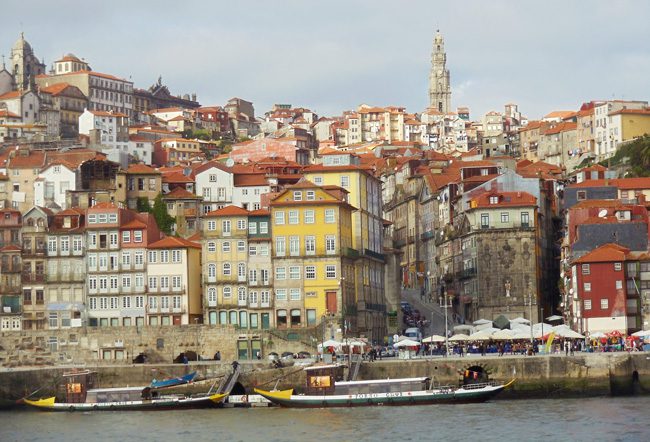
<point x="439" y="87"/>
<point x="25" y="65"/>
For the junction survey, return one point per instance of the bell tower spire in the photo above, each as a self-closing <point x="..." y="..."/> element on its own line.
<point x="439" y="85"/>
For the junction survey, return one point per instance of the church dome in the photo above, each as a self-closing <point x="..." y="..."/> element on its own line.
<point x="70" y="57"/>
<point x="22" y="45"/>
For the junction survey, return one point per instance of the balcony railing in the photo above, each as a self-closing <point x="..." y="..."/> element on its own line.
<point x="350" y="252"/>
<point x="373" y="254"/>
<point x="9" y="268"/>
<point x="33" y="277"/>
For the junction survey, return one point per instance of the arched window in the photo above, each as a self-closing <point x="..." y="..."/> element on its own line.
<point x="226" y="269"/>
<point x="227" y="292"/>
<point x="241" y="295"/>
<point x="212" y="270"/>
<point x="212" y="296"/>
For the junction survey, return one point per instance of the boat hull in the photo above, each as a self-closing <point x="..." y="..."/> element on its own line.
<point x="171" y="403"/>
<point x="174" y="381"/>
<point x="286" y="398"/>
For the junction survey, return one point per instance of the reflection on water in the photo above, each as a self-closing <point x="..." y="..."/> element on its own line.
<point x="594" y="419"/>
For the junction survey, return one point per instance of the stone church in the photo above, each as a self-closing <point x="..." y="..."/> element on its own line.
<point x="439" y="85"/>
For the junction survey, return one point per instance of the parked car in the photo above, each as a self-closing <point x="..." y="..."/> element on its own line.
<point x="287" y="356"/>
<point x="406" y="307"/>
<point x="413" y="333"/>
<point x="273" y="356"/>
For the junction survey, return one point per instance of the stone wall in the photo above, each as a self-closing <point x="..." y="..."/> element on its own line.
<point x="91" y="345"/>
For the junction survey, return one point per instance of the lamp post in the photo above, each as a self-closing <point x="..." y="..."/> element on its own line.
<point x="446" y="305"/>
<point x="530" y="305"/>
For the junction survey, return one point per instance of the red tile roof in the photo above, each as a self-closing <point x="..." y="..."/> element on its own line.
<point x="180" y="193"/>
<point x="142" y="169"/>
<point x="645" y="111"/>
<point x="228" y="211"/>
<point x="7" y="114"/>
<point x="54" y="89"/>
<point x="134" y="224"/>
<point x="173" y="242"/>
<point x="35" y="160"/>
<point x="606" y="253"/>
<point x="506" y="199"/>
<point x="259" y="212"/>
<point x="258" y="179"/>
<point x="621" y="183"/>
<point x="11" y="95"/>
<point x="176" y="177"/>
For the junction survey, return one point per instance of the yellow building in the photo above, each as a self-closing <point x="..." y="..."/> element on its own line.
<point x="313" y="258"/>
<point x="628" y="124"/>
<point x="343" y="169"/>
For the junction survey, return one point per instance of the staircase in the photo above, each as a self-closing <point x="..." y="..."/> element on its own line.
<point x="228" y="383"/>
<point x="355" y="364"/>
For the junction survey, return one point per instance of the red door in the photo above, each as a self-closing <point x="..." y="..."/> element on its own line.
<point x="330" y="302"/>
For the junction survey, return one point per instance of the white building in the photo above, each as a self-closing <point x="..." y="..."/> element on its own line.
<point x="141" y="149"/>
<point x="215" y="184"/>
<point x="109" y="129"/>
<point x="248" y="191"/>
<point x="52" y="184"/>
<point x="25" y="103"/>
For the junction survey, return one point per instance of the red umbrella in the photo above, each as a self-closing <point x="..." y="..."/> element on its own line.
<point x="614" y="334"/>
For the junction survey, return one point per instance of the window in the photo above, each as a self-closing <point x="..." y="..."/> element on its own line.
<point x="619" y="285"/>
<point x="164" y="282"/>
<point x="587" y="286"/>
<point x="126" y="281"/>
<point x="330" y="216"/>
<point x="153" y="282"/>
<point x="225" y="227"/>
<point x="176" y="282"/>
<point x="318" y="180"/>
<point x="126" y="302"/>
<point x="310" y="245"/>
<point x="311" y="195"/>
<point x="51" y="245"/>
<point x="297" y="195"/>
<point x="113" y="282"/>
<point x="330" y="271"/>
<point x="137" y="236"/>
<point x="279" y="219"/>
<point x="153" y="257"/>
<point x="293" y="217"/>
<point x="618" y="266"/>
<point x="264" y="227"/>
<point x="604" y="303"/>
<point x="126" y="236"/>
<point x="226" y="269"/>
<point x="485" y="221"/>
<point x="93" y="303"/>
<point x="212" y="225"/>
<point x="587" y="304"/>
<point x="241" y="246"/>
<point x="280" y="246"/>
<point x="525" y="220"/>
<point x="241" y="295"/>
<point x="241" y="224"/>
<point x="294" y="245"/>
<point x="164" y="256"/>
<point x="330" y="244"/>
<point x="212" y="297"/>
<point x="309" y="217"/>
<point x="281" y="294"/>
<point x="494" y="200"/>
<point x="310" y="272"/>
<point x="294" y="272"/>
<point x="65" y="244"/>
<point x="225" y="246"/>
<point x="345" y="181"/>
<point x="252" y="228"/>
<point x="139" y="258"/>
<point x="505" y="217"/>
<point x="212" y="246"/>
<point x="252" y="250"/>
<point x="241" y="271"/>
<point x="581" y="195"/>
<point x="252" y="276"/>
<point x="294" y="294"/>
<point x="280" y="273"/>
<point x="586" y="269"/>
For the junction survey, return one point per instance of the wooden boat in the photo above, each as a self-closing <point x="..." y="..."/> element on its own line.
<point x="81" y="396"/>
<point x="172" y="382"/>
<point x="324" y="390"/>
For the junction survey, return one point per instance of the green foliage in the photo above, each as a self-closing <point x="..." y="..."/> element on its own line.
<point x="634" y="155"/>
<point x="143" y="205"/>
<point x="163" y="219"/>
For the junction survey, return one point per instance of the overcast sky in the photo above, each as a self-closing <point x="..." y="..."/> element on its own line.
<point x="331" y="56"/>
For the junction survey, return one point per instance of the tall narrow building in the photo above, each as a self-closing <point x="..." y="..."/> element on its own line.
<point x="439" y="87"/>
<point x="25" y="64"/>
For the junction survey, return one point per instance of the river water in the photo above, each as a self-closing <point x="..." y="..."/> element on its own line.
<point x="593" y="419"/>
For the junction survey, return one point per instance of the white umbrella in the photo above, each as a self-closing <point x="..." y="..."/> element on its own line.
<point x="434" y="338"/>
<point x="554" y="318"/>
<point x="480" y="336"/>
<point x="519" y="320"/>
<point x="357" y="344"/>
<point x="406" y="343"/>
<point x="521" y="334"/>
<point x="571" y="334"/>
<point x="481" y="322"/>
<point x="641" y="333"/>
<point x="519" y="327"/>
<point x="503" y="335"/>
<point x="459" y="337"/>
<point x="597" y="335"/>
<point x="331" y="343"/>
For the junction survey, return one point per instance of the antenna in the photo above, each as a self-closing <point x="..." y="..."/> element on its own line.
<point x="602" y="213"/>
<point x="230" y="162"/>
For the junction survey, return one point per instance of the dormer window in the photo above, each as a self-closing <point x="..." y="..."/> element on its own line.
<point x="311" y="195"/>
<point x="297" y="195"/>
<point x="494" y="199"/>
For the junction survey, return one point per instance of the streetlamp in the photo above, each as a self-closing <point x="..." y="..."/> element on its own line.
<point x="530" y="304"/>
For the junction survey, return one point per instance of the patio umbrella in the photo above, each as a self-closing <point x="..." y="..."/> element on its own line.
<point x="331" y="343"/>
<point x="480" y="336"/>
<point x="406" y="343"/>
<point x="481" y="322"/>
<point x="597" y="335"/>
<point x="641" y="333"/>
<point x="434" y="338"/>
<point x="521" y="334"/>
<point x="459" y="337"/>
<point x="519" y="320"/>
<point x="568" y="333"/>
<point x="503" y="335"/>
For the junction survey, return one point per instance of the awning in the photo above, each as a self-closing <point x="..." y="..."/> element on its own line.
<point x="65" y="306"/>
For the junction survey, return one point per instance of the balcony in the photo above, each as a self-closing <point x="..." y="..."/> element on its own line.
<point x="427" y="235"/>
<point x="350" y="252"/>
<point x="467" y="273"/>
<point x="36" y="251"/>
<point x="9" y="268"/>
<point x="33" y="278"/>
<point x="66" y="277"/>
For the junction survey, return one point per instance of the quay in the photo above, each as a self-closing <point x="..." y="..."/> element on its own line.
<point x="542" y="376"/>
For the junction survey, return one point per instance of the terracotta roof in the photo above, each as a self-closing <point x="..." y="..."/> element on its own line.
<point x="180" y="193"/>
<point x="606" y="253"/>
<point x="558" y="114"/>
<point x="99" y="113"/>
<point x="54" y="89"/>
<point x="176" y="177"/>
<point x="597" y="204"/>
<point x="259" y="212"/>
<point x="560" y="127"/>
<point x="11" y="95"/>
<point x="95" y="74"/>
<point x="7" y="114"/>
<point x="75" y="156"/>
<point x="10" y="248"/>
<point x="621" y="183"/>
<point x="195" y="237"/>
<point x="104" y="205"/>
<point x="228" y="211"/>
<point x="645" y="111"/>
<point x="171" y="242"/>
<point x="142" y="169"/>
<point x="243" y="180"/>
<point x="35" y="160"/>
<point x="134" y="224"/>
<point x="506" y="199"/>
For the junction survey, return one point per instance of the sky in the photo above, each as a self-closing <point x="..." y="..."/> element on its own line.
<point x="331" y="56"/>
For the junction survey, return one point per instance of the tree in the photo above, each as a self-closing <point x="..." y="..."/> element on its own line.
<point x="142" y="204"/>
<point x="164" y="220"/>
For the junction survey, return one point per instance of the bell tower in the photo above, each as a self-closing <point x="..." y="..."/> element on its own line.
<point x="439" y="87"/>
